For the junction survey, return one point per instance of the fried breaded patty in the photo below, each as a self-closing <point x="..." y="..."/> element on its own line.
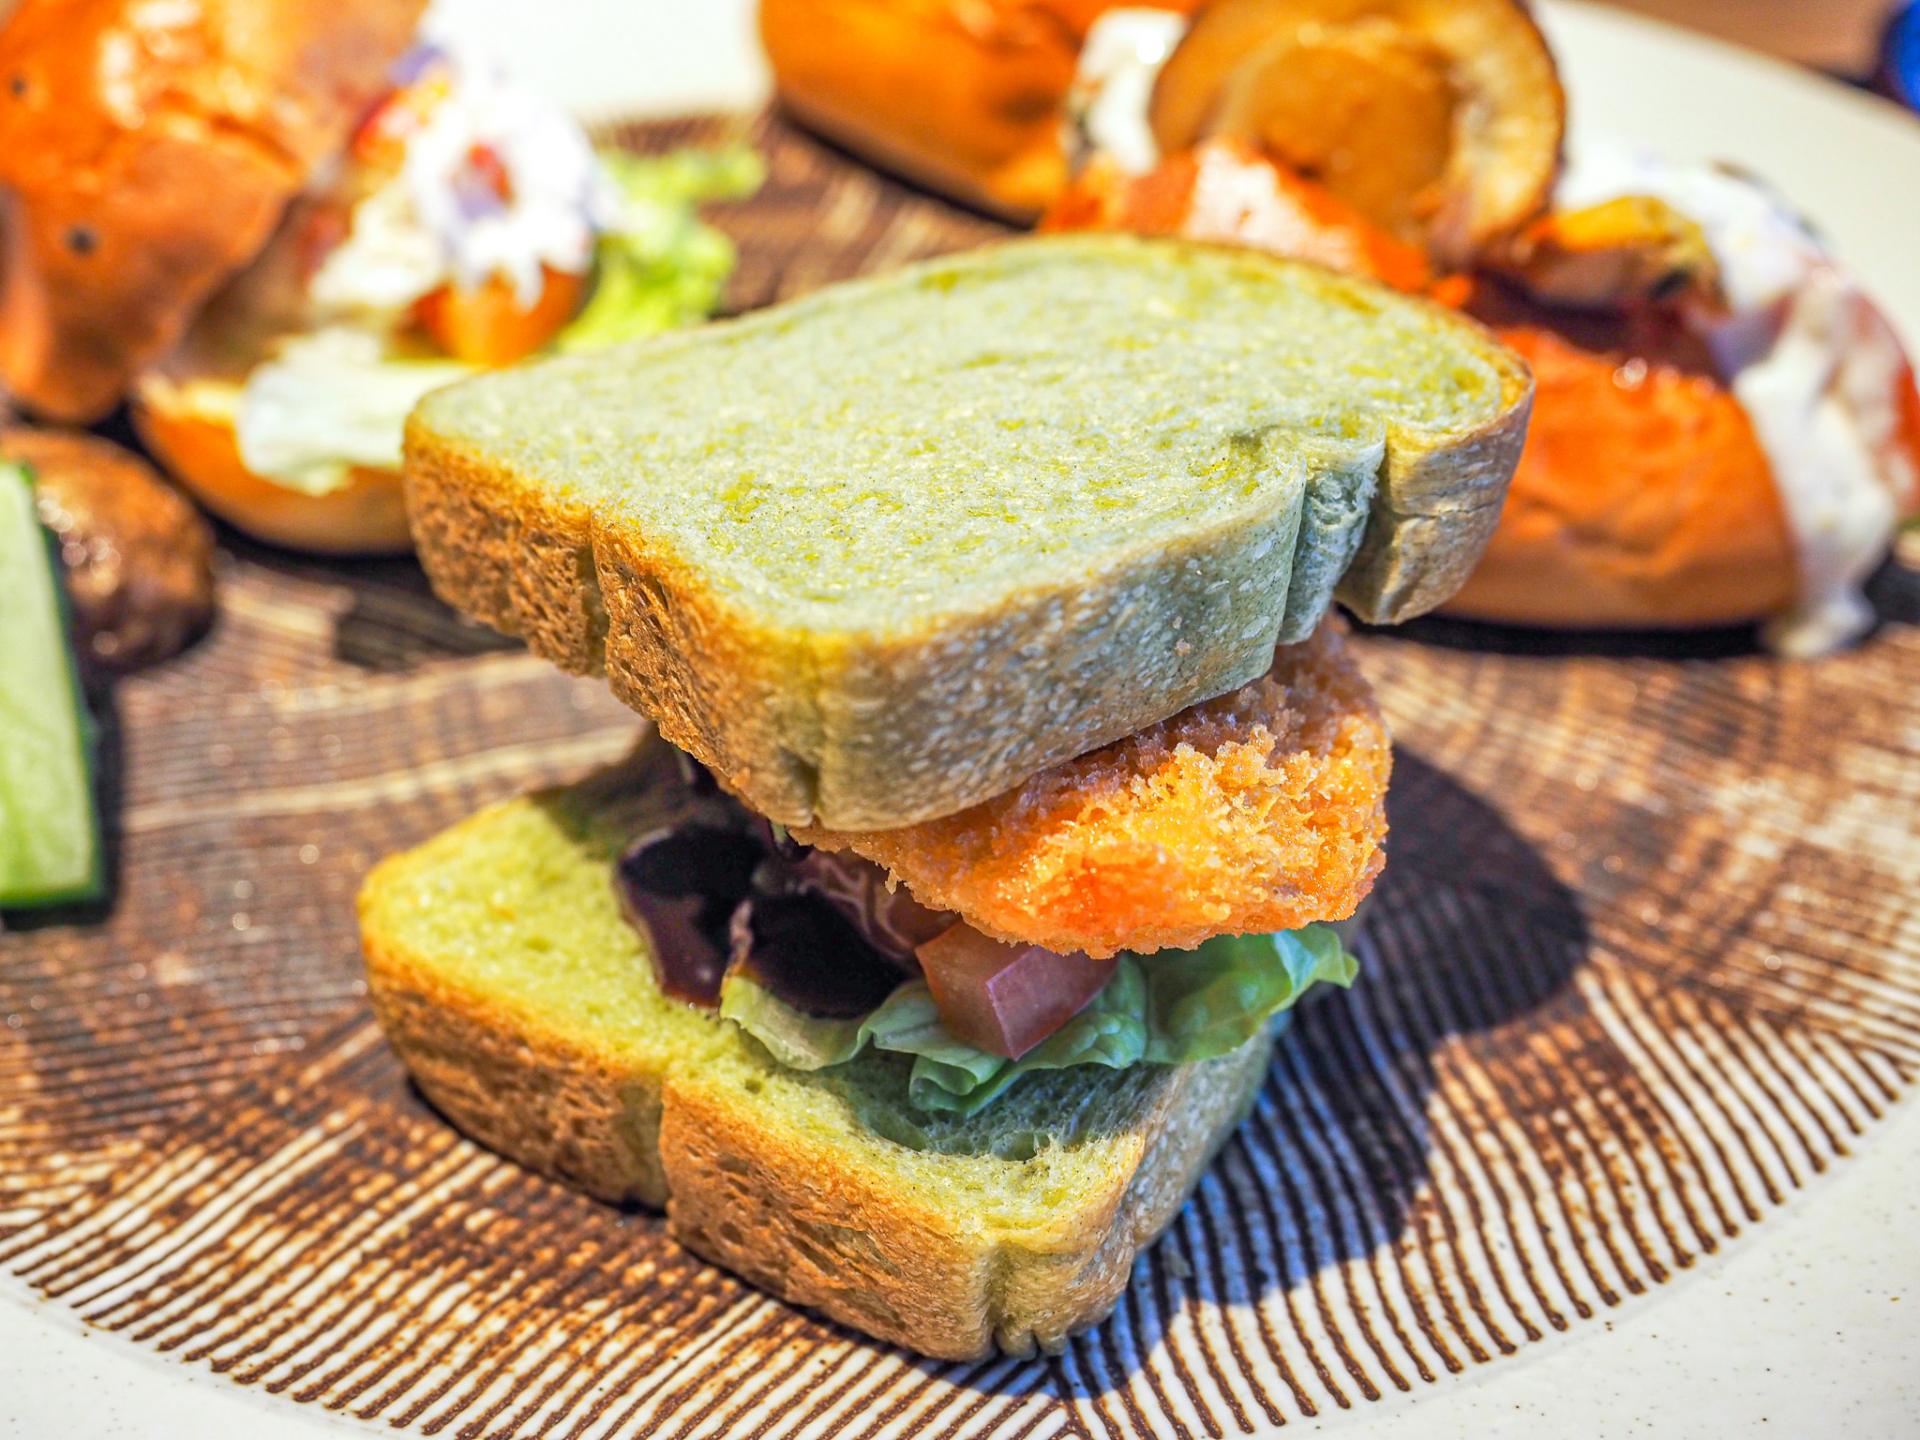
<point x="1261" y="810"/>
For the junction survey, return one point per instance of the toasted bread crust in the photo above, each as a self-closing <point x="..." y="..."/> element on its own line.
<point x="758" y="1199"/>
<point x="542" y="1099"/>
<point x="779" y="1204"/>
<point x="1436" y="510"/>
<point x="135" y="192"/>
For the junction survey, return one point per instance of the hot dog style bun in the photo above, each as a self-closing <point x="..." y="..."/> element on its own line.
<point x="1441" y="122"/>
<point x="1725" y="430"/>
<point x="964" y="96"/>
<point x="137" y="189"/>
<point x="1643" y="501"/>
<point x="188" y="423"/>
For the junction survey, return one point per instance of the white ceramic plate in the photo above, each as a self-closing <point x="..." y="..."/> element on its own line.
<point x="1811" y="1325"/>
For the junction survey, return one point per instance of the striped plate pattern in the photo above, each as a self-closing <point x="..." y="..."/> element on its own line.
<point x="1645" y="965"/>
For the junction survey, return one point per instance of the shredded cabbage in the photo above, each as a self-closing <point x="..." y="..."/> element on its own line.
<point x="330" y="401"/>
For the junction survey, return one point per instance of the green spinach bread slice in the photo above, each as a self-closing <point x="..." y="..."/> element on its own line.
<point x="881" y="553"/>
<point x="526" y="1009"/>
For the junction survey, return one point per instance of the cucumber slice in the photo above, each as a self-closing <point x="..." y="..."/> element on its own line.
<point x="50" y="848"/>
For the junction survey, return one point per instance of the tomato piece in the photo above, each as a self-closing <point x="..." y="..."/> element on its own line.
<point x="1006" y="999"/>
<point x="487" y="326"/>
<point x="490" y="171"/>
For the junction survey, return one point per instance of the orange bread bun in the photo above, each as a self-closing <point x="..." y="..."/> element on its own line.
<point x="189" y="428"/>
<point x="1643" y="500"/>
<point x="132" y="190"/>
<point x="965" y="96"/>
<point x="186" y="408"/>
<point x="1261" y="810"/>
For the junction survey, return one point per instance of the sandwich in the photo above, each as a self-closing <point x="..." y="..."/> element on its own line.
<point x="273" y="226"/>
<point x="1727" y="429"/>
<point x="1438" y="119"/>
<point x="1729" y="425"/>
<point x="1007" y="769"/>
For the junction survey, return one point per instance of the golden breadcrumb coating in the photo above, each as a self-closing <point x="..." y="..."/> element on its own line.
<point x="1261" y="810"/>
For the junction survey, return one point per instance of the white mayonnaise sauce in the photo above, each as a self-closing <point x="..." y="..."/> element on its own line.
<point x="492" y="181"/>
<point x="443" y="219"/>
<point x="1107" y="107"/>
<point x="1814" y="365"/>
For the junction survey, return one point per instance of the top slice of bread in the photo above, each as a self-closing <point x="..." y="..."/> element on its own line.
<point x="882" y="553"/>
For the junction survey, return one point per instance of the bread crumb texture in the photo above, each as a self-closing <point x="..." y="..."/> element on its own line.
<point x="526" y="1009"/>
<point x="1264" y="809"/>
<point x="884" y="553"/>
<point x="926" y="442"/>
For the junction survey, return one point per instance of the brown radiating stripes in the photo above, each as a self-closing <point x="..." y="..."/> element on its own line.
<point x="1293" y="1209"/>
<point x="1671" y="1137"/>
<point x="1376" y="1094"/>
<point x="1475" y="1085"/>
<point x="1446" y="1119"/>
<point x="1226" y="1303"/>
<point x="1370" y="1194"/>
<point x="1645" y="966"/>
<point x="1174" y="1267"/>
<point x="1337" y="1231"/>
<point x="1257" y="1273"/>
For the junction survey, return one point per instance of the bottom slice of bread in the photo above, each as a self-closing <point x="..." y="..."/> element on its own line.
<point x="526" y="1009"/>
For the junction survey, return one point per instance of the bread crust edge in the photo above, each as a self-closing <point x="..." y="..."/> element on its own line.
<point x="778" y="1207"/>
<point x="719" y="683"/>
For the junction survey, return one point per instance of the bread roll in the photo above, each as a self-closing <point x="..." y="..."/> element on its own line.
<point x="1643" y="500"/>
<point x="133" y="190"/>
<point x="964" y="96"/>
<point x="189" y="428"/>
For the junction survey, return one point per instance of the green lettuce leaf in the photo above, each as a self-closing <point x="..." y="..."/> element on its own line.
<point x="1210" y="1001"/>
<point x="660" y="267"/>
<point x="796" y="1039"/>
<point x="338" y="397"/>
<point x="949" y="1074"/>
<point x="1173" y="1007"/>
